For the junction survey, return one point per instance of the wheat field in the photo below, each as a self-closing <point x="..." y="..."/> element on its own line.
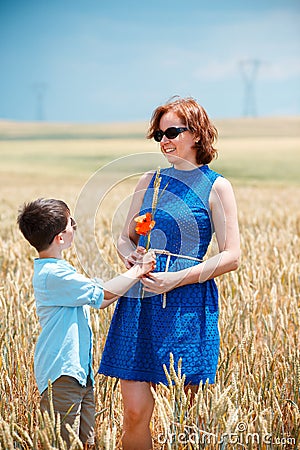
<point x="254" y="403"/>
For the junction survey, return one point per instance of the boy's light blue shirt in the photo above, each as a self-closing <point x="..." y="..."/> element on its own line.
<point x="63" y="297"/>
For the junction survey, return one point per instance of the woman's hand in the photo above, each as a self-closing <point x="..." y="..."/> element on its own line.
<point x="161" y="282"/>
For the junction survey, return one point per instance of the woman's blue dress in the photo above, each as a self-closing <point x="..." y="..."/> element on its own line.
<point x="143" y="333"/>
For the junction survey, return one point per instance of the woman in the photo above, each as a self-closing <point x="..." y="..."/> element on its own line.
<point x="181" y="314"/>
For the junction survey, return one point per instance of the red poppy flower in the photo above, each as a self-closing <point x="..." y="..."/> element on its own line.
<point x="144" y="224"/>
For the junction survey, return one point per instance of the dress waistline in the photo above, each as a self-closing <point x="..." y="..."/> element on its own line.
<point x="166" y="252"/>
<point x="169" y="254"/>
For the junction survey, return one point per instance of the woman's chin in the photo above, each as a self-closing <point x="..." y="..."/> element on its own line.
<point x="171" y="157"/>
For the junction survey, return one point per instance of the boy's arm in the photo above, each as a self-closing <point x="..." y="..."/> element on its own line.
<point x="115" y="288"/>
<point x="68" y="288"/>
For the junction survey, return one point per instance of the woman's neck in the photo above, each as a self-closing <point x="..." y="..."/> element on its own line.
<point x="183" y="164"/>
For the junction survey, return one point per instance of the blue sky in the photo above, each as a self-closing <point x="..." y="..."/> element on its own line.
<point x="114" y="60"/>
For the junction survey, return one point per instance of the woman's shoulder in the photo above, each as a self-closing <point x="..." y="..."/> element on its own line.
<point x="145" y="180"/>
<point x="222" y="191"/>
<point x="222" y="184"/>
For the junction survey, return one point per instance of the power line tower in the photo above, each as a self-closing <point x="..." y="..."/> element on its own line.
<point x="249" y="69"/>
<point x="39" y="89"/>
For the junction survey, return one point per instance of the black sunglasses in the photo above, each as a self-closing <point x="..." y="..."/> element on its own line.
<point x="73" y="225"/>
<point x="170" y="133"/>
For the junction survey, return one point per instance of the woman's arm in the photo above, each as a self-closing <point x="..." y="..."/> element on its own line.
<point x="224" y="218"/>
<point x="134" y="257"/>
<point x="127" y="242"/>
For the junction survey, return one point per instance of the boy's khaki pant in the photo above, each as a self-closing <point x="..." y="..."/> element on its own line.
<point x="67" y="392"/>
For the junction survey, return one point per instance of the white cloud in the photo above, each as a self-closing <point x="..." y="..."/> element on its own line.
<point x="272" y="39"/>
<point x="215" y="70"/>
<point x="280" y="71"/>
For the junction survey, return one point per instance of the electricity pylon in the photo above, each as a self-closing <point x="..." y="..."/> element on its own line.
<point x="39" y="89"/>
<point x="249" y="69"/>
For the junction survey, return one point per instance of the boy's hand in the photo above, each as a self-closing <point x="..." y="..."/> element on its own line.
<point x="145" y="264"/>
<point x="135" y="257"/>
<point x="119" y="285"/>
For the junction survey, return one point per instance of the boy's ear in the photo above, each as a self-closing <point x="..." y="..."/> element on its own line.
<point x="59" y="238"/>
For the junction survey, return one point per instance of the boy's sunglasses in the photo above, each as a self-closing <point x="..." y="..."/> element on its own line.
<point x="73" y="225"/>
<point x="170" y="133"/>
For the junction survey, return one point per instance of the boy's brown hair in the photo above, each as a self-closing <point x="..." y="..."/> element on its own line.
<point x="41" y="220"/>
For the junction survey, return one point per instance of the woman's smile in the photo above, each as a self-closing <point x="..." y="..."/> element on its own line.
<point x="168" y="150"/>
<point x="180" y="149"/>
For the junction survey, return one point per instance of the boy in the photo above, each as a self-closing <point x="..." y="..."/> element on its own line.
<point x="63" y="352"/>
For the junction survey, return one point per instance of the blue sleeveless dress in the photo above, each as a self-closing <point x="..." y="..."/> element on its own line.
<point x="143" y="333"/>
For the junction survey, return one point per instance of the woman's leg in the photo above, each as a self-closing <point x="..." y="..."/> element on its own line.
<point x="138" y="408"/>
<point x="193" y="388"/>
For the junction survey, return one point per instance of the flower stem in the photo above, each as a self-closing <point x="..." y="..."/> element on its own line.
<point x="148" y="242"/>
